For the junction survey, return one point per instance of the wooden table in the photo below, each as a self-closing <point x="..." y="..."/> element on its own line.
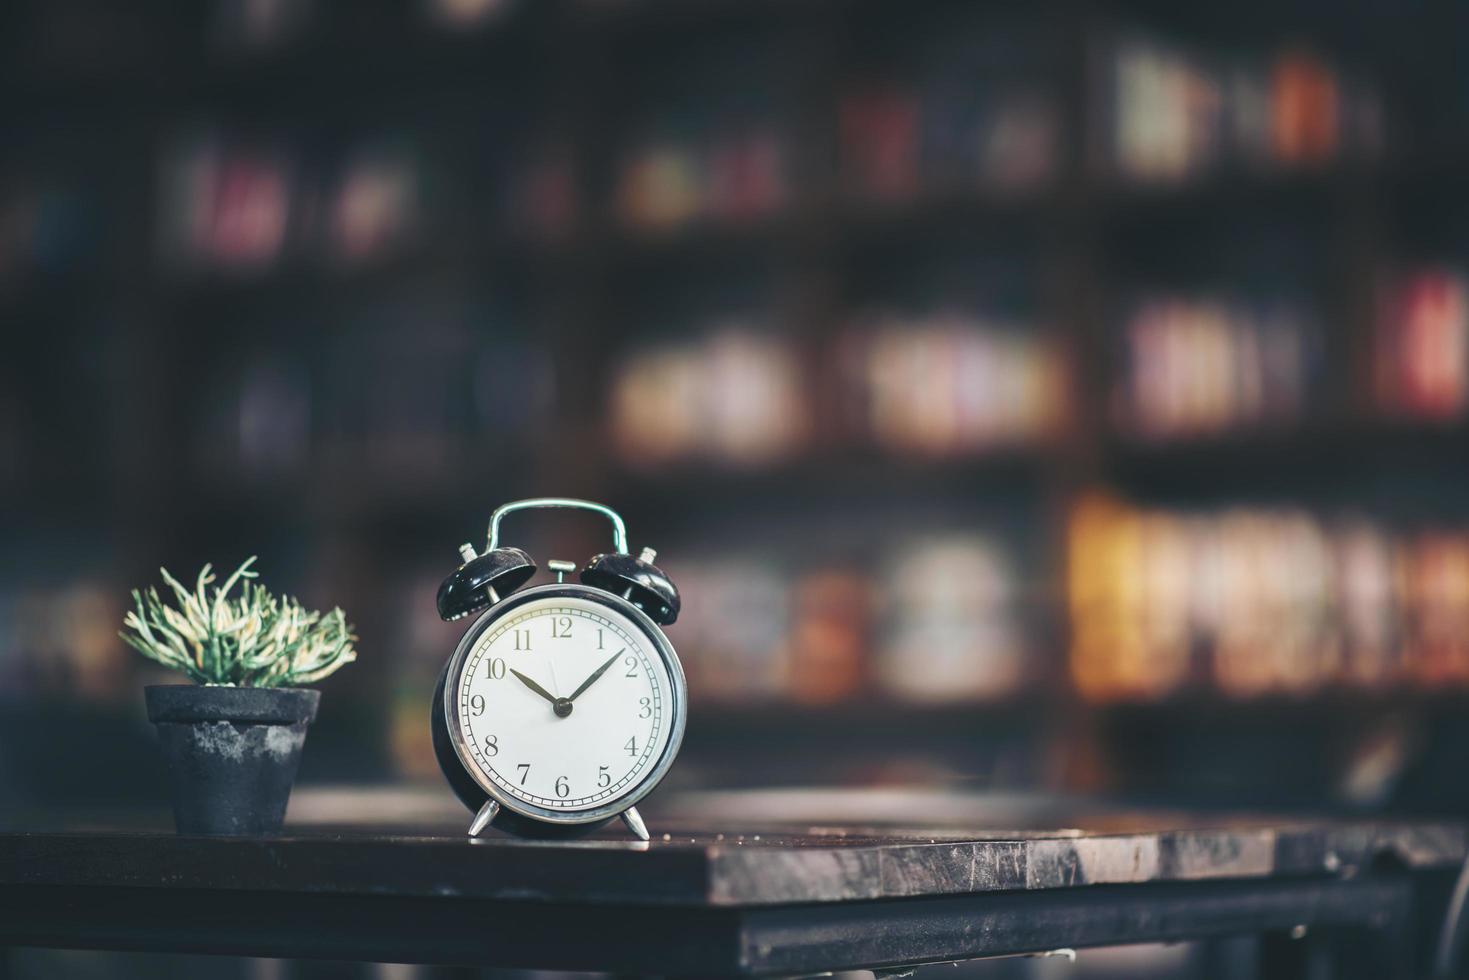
<point x="740" y="901"/>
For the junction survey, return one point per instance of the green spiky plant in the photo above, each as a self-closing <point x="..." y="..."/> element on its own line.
<point x="253" y="640"/>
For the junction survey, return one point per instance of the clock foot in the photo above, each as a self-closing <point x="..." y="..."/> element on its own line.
<point x="483" y="817"/>
<point x="634" y="822"/>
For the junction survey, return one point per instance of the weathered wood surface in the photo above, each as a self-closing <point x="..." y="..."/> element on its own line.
<point x="700" y="867"/>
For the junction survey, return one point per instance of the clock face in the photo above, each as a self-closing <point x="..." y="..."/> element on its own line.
<point x="564" y="704"/>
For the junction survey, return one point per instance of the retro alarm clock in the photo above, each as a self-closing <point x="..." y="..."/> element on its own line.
<point x="564" y="704"/>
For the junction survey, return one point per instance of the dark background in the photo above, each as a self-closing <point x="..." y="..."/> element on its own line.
<point x="1067" y="399"/>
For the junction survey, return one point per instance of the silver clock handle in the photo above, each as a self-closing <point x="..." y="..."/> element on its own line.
<point x="619" y="530"/>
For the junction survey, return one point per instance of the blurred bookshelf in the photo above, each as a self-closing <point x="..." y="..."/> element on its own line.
<point x="984" y="377"/>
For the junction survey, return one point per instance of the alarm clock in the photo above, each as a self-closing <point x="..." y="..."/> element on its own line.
<point x="564" y="704"/>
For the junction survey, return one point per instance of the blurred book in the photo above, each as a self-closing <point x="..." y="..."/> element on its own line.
<point x="1435" y="608"/>
<point x="1257" y="601"/>
<point x="60" y="641"/>
<point x="952" y="383"/>
<point x="735" y="625"/>
<point x="1420" y="362"/>
<point x="1197" y="366"/>
<point x="374" y="203"/>
<point x="1171" y="113"/>
<point x="706" y="140"/>
<point x="1273" y="621"/>
<point x="727" y="172"/>
<point x="1126" y="593"/>
<point x="1367" y="582"/>
<point x="899" y="144"/>
<point x="942" y="622"/>
<point x="226" y="204"/>
<point x="961" y="102"/>
<point x="253" y="204"/>
<point x="952" y="626"/>
<point x="830" y="636"/>
<point x="736" y="396"/>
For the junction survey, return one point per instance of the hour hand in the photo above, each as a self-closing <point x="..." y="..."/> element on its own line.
<point x="533" y="686"/>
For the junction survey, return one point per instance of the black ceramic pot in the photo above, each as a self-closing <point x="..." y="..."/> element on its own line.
<point x="232" y="753"/>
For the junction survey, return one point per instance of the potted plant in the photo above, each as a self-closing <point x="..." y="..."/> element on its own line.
<point x="232" y="739"/>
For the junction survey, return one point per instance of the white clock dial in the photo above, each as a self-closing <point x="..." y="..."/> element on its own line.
<point x="565" y="704"/>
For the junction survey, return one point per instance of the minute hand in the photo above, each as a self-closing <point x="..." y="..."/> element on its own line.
<point x="595" y="674"/>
